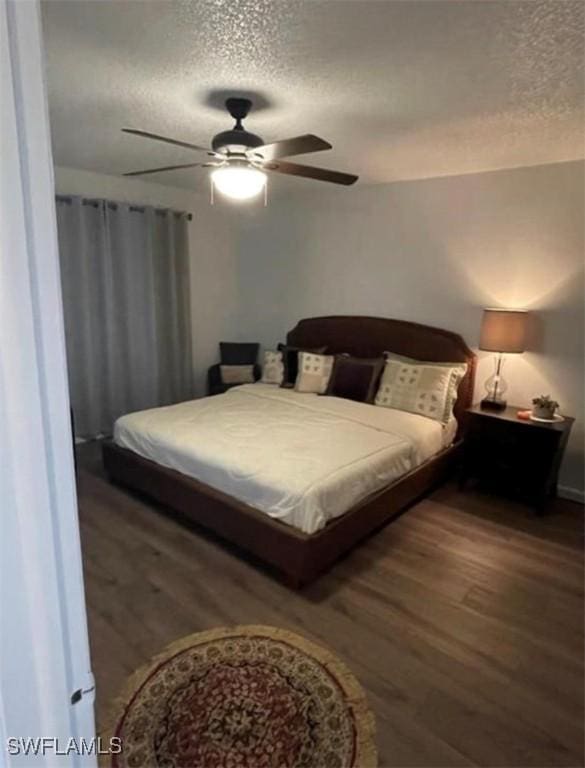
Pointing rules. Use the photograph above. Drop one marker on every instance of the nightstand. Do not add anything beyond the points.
(520, 458)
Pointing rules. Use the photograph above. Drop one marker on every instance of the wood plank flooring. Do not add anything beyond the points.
(463, 619)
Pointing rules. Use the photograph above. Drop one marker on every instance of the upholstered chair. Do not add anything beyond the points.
(232, 353)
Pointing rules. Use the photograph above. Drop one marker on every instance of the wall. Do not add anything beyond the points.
(211, 240)
(435, 251)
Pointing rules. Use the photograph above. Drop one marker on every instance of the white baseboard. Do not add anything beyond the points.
(573, 494)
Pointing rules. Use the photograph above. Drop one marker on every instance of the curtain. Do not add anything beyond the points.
(125, 281)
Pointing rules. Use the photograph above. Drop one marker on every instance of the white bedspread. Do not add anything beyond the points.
(303, 459)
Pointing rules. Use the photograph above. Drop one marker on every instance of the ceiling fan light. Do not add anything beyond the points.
(238, 182)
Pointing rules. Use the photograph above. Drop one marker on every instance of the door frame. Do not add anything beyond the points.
(46, 686)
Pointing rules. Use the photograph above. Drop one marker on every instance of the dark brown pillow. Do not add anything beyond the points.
(290, 358)
(355, 378)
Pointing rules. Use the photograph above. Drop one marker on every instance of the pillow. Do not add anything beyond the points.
(290, 358)
(237, 374)
(355, 378)
(238, 353)
(273, 368)
(458, 372)
(314, 372)
(430, 390)
(403, 359)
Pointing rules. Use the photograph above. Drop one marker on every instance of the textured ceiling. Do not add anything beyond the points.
(403, 90)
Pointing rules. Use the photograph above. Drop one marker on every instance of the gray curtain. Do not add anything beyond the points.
(125, 279)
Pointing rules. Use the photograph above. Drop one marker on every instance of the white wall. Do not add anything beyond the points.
(211, 242)
(435, 251)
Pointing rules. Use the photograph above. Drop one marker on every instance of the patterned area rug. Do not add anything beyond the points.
(246, 697)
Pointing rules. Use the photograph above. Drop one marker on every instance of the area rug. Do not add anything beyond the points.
(245, 697)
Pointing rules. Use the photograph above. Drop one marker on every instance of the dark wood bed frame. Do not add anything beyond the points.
(297, 556)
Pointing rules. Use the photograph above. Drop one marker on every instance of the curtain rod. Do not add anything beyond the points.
(96, 202)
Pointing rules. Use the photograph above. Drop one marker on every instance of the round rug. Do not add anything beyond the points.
(245, 697)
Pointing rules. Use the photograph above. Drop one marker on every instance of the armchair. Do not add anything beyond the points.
(232, 353)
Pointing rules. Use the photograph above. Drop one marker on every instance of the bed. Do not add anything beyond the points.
(297, 479)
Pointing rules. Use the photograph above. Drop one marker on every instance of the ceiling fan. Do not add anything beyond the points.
(240, 158)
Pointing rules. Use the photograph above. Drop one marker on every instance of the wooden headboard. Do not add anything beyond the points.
(372, 336)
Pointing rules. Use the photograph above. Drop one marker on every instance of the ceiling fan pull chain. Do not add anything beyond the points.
(211, 200)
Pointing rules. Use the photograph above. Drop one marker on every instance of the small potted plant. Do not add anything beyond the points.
(544, 407)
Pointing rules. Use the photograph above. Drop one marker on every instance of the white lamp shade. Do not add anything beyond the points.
(238, 182)
(503, 330)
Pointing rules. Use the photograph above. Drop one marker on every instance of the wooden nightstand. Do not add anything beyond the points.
(520, 458)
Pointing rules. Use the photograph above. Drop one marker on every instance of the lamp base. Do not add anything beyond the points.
(487, 404)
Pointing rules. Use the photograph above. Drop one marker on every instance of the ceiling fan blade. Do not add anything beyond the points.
(310, 172)
(299, 145)
(176, 142)
(165, 168)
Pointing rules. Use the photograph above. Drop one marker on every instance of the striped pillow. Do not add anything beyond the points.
(237, 374)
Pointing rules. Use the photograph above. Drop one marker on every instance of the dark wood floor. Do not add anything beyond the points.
(463, 619)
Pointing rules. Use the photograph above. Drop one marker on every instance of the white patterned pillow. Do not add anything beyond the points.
(458, 371)
(314, 372)
(430, 390)
(273, 368)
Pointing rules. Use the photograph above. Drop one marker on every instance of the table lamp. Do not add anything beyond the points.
(502, 331)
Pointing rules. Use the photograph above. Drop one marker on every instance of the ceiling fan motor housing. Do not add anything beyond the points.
(234, 139)
(237, 137)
